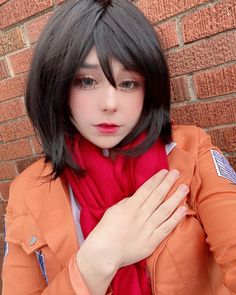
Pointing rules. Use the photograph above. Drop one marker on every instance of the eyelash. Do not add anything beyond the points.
(134, 83)
(78, 82)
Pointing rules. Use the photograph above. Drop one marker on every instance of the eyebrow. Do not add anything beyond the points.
(90, 66)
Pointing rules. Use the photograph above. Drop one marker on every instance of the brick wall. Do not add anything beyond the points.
(199, 38)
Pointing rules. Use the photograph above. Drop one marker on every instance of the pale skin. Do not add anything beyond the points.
(132, 229)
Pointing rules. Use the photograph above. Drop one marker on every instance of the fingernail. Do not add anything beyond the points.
(184, 188)
(164, 171)
(182, 210)
(175, 172)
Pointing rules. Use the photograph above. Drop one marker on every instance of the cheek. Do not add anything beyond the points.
(136, 107)
(79, 105)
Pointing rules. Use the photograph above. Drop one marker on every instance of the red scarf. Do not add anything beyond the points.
(107, 182)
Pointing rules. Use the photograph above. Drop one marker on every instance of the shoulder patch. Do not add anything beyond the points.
(223, 167)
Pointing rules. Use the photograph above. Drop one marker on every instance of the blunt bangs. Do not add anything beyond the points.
(117, 29)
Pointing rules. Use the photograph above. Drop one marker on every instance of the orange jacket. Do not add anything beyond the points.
(199, 257)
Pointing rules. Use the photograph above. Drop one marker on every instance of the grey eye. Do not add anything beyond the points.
(87, 82)
(128, 84)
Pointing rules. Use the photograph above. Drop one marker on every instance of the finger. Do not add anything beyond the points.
(160, 192)
(168, 207)
(161, 232)
(143, 193)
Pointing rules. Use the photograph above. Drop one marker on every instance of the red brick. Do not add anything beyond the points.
(15, 150)
(2, 1)
(20, 61)
(37, 147)
(216, 82)
(4, 189)
(3, 205)
(179, 89)
(224, 138)
(232, 161)
(207, 53)
(16, 129)
(60, 1)
(7, 170)
(204, 114)
(35, 27)
(208, 21)
(11, 40)
(4, 72)
(11, 109)
(12, 87)
(159, 10)
(21, 165)
(17, 10)
(167, 34)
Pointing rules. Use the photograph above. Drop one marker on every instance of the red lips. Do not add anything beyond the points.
(107, 128)
(108, 125)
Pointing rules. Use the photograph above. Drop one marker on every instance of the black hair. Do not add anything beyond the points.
(117, 29)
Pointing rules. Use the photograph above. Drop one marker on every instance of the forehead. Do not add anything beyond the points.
(92, 57)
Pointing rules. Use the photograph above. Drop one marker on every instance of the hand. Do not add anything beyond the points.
(132, 229)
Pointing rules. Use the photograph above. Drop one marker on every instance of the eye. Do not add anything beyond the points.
(85, 82)
(129, 84)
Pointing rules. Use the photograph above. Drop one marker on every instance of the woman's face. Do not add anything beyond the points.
(102, 114)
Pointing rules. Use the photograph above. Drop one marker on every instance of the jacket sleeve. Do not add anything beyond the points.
(75, 278)
(216, 205)
(21, 275)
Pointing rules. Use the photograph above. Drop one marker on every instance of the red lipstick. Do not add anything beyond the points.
(107, 128)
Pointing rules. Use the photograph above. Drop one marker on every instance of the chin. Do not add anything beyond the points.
(105, 146)
(106, 143)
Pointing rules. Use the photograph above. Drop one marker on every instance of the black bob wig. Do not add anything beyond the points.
(117, 29)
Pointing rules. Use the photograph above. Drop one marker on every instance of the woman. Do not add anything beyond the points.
(97, 213)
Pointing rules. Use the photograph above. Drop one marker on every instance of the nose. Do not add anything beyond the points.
(109, 99)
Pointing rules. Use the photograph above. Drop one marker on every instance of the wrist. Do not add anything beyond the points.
(92, 262)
